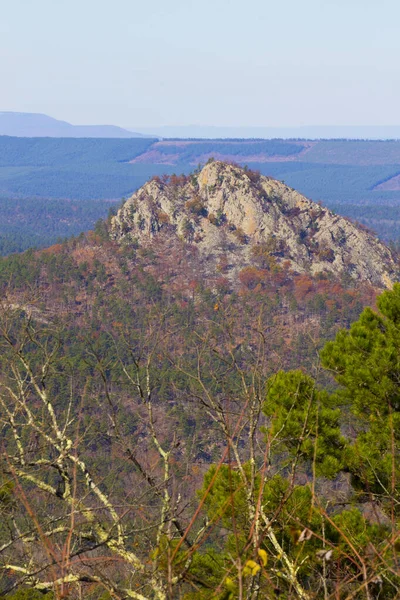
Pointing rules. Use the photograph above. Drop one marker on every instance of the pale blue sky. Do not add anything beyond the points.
(220, 62)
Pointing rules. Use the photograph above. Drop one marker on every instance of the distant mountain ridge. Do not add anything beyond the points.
(18, 124)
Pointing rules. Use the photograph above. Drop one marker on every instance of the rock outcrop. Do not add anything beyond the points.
(231, 212)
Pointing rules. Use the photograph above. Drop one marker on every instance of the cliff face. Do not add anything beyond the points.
(229, 212)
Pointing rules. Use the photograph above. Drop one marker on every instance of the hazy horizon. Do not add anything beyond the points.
(259, 65)
(20, 124)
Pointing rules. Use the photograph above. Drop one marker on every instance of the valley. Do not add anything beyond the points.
(354, 178)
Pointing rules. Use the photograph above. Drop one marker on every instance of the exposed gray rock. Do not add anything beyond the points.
(228, 211)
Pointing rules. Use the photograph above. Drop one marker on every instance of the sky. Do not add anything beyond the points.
(204, 62)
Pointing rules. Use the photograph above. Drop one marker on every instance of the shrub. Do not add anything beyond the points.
(162, 217)
(240, 235)
(326, 253)
(218, 219)
(196, 207)
(250, 277)
(187, 230)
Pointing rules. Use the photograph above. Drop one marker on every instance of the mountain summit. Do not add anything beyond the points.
(237, 215)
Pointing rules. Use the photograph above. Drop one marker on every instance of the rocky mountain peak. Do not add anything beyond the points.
(249, 219)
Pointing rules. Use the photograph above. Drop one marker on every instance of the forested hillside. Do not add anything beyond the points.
(39, 222)
(170, 431)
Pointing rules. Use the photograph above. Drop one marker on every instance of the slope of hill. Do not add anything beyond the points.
(38, 125)
(326, 152)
